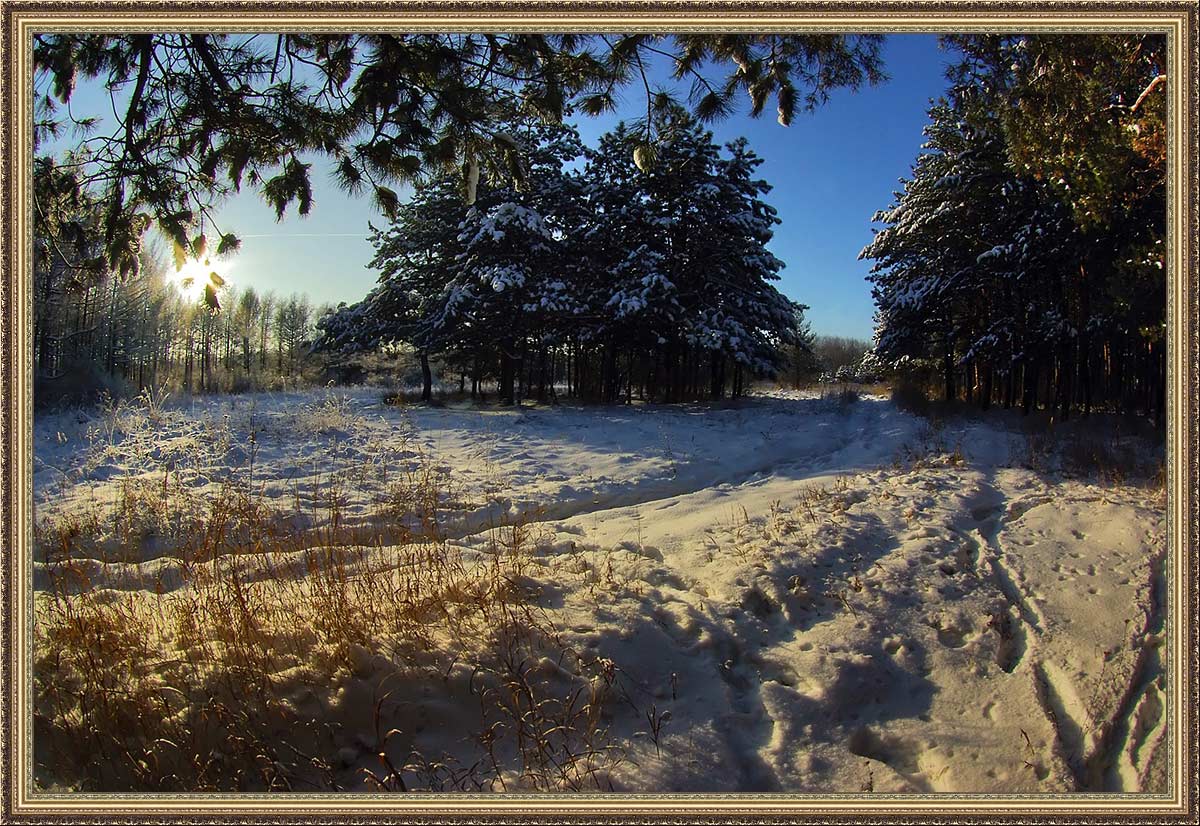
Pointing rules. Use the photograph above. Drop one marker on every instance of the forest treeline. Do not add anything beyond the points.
(602, 274)
(179, 121)
(1022, 263)
(144, 331)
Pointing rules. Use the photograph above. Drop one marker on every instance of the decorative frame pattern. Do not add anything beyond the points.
(1177, 20)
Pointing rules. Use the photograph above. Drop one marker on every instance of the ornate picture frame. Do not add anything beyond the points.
(1178, 21)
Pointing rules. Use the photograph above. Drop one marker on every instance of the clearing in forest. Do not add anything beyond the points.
(319, 590)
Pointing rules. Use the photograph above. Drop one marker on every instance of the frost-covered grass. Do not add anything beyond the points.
(272, 658)
(319, 590)
(206, 634)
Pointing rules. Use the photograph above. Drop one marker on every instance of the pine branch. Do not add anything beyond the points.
(1154, 84)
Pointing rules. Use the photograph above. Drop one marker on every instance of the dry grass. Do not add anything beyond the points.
(1108, 450)
(930, 448)
(844, 396)
(879, 388)
(232, 663)
(1110, 459)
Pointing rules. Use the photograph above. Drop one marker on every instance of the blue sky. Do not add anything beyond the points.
(831, 170)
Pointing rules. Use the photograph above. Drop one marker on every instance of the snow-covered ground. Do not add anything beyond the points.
(800, 594)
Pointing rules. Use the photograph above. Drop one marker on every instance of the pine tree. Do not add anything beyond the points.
(688, 288)
(195, 116)
(751, 320)
(627, 278)
(1019, 284)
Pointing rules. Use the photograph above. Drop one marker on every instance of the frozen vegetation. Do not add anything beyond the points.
(789, 594)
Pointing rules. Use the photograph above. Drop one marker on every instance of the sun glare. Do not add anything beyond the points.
(197, 274)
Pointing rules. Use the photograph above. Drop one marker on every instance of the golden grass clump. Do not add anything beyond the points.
(254, 654)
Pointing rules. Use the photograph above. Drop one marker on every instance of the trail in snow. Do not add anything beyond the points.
(826, 598)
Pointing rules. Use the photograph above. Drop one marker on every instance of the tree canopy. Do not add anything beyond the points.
(196, 116)
(622, 278)
(1025, 255)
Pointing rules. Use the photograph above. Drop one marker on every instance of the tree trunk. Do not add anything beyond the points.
(568, 365)
(1085, 374)
(506, 372)
(1029, 399)
(111, 356)
(541, 374)
(426, 378)
(948, 375)
(1067, 389)
(629, 377)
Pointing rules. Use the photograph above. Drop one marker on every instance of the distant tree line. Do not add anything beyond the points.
(1023, 261)
(146, 331)
(824, 358)
(188, 118)
(840, 357)
(633, 276)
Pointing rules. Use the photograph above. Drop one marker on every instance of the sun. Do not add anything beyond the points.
(194, 277)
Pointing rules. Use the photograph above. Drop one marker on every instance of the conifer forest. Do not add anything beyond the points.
(514, 413)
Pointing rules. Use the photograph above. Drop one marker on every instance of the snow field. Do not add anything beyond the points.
(794, 594)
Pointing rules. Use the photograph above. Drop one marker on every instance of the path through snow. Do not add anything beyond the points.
(806, 595)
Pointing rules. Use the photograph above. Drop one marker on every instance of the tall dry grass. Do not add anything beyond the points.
(254, 653)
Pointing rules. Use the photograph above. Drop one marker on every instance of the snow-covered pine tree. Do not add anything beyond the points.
(994, 272)
(476, 281)
(745, 319)
(416, 256)
(628, 287)
(924, 278)
(687, 290)
(512, 278)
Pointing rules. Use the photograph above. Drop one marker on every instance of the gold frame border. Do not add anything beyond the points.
(1178, 20)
